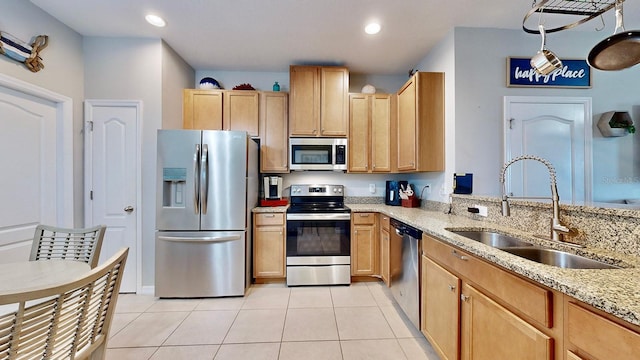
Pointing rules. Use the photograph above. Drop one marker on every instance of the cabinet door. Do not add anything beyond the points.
(384, 256)
(440, 309)
(274, 134)
(380, 133)
(241, 111)
(359, 140)
(334, 103)
(269, 252)
(364, 251)
(406, 125)
(304, 100)
(489, 331)
(202, 109)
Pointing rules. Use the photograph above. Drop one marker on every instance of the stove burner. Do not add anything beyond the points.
(317, 198)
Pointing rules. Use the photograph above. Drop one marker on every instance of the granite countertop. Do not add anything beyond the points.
(270, 209)
(615, 291)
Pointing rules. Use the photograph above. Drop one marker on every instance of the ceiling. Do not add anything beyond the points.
(268, 35)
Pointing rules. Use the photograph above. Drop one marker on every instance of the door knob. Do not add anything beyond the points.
(128, 209)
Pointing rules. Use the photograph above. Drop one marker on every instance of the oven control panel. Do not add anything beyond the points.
(317, 190)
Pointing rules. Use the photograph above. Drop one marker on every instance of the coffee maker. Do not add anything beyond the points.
(392, 192)
(272, 187)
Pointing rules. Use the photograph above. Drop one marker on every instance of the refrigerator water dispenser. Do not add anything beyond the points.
(174, 181)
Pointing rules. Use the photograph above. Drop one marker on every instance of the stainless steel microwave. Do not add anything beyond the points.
(318, 154)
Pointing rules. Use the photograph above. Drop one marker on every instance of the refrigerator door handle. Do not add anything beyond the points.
(204, 180)
(204, 239)
(196, 179)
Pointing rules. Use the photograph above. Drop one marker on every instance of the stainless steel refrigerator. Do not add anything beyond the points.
(207, 184)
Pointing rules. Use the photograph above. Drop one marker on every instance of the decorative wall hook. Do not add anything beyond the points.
(20, 51)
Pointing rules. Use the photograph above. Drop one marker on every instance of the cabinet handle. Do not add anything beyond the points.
(461, 257)
(314, 131)
(452, 288)
(464, 297)
(364, 215)
(269, 215)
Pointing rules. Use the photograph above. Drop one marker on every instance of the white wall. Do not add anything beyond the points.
(176, 76)
(131, 69)
(481, 85)
(62, 73)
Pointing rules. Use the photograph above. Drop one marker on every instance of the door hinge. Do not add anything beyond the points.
(90, 124)
(91, 195)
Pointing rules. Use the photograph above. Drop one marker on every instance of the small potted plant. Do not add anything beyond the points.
(616, 123)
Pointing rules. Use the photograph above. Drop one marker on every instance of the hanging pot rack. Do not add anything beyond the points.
(585, 9)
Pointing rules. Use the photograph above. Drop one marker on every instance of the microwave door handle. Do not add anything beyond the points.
(204, 180)
(196, 180)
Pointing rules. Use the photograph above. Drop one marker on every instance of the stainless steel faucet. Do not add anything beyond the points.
(557, 228)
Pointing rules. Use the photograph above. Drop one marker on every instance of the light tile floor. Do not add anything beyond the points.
(271, 322)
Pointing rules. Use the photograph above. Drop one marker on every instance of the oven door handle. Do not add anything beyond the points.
(319, 216)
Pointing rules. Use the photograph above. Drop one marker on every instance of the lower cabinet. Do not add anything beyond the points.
(472, 309)
(592, 336)
(490, 331)
(440, 304)
(364, 245)
(269, 246)
(385, 242)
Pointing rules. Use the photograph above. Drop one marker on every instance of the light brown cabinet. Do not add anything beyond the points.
(221, 110)
(385, 242)
(274, 133)
(364, 245)
(420, 123)
(439, 309)
(370, 132)
(490, 331)
(493, 305)
(240, 111)
(596, 336)
(318, 103)
(202, 109)
(269, 246)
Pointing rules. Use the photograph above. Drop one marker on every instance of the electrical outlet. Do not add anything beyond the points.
(372, 188)
(443, 190)
(483, 210)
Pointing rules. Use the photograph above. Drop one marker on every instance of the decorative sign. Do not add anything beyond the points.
(573, 74)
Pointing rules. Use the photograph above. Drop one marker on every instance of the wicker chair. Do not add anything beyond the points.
(67, 321)
(70, 244)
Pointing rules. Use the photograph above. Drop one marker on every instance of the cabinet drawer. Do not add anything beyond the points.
(599, 337)
(363, 218)
(269, 219)
(524, 297)
(384, 222)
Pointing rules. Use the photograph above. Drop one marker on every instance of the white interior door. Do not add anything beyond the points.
(28, 168)
(112, 179)
(557, 129)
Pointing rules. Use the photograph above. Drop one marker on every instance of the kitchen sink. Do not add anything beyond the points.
(492, 238)
(557, 258)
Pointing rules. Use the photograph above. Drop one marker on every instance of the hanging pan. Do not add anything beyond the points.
(620, 50)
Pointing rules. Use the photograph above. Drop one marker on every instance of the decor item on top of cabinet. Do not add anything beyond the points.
(20, 51)
(209, 83)
(575, 73)
(368, 89)
(243, 87)
(616, 123)
(276, 86)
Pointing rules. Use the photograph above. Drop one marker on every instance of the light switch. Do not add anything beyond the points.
(372, 188)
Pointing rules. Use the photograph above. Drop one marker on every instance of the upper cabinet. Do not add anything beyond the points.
(240, 111)
(221, 110)
(274, 133)
(202, 109)
(371, 132)
(318, 104)
(420, 123)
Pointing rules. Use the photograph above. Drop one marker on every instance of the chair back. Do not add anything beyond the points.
(67, 321)
(51, 242)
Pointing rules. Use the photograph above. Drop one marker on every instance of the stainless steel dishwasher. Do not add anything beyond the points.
(405, 280)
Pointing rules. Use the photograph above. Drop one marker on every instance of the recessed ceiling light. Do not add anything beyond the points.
(155, 20)
(372, 28)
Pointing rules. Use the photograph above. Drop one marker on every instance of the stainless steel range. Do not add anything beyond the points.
(318, 236)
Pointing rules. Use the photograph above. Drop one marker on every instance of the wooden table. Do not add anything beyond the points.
(29, 275)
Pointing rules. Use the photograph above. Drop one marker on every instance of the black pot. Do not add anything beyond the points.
(618, 51)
